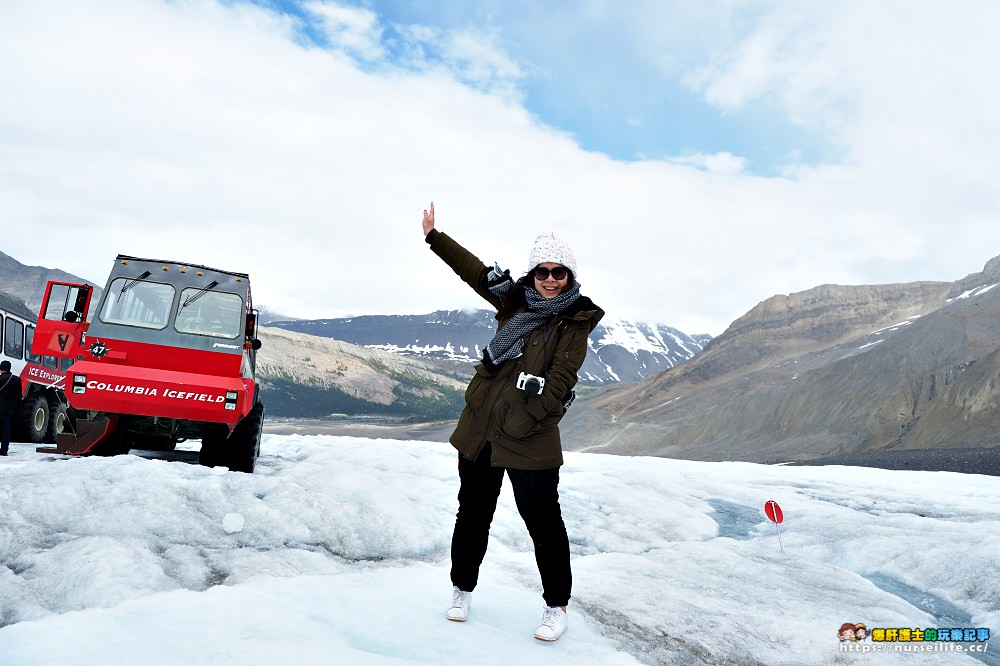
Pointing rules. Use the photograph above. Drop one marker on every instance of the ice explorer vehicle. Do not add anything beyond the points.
(42, 415)
(168, 355)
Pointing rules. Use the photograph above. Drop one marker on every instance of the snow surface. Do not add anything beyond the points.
(337, 552)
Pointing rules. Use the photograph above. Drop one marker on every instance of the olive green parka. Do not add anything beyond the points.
(523, 429)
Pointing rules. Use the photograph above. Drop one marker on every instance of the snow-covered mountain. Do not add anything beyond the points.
(620, 351)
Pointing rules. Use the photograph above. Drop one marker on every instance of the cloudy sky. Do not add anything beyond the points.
(699, 157)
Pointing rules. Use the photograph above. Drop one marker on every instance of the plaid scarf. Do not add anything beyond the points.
(507, 342)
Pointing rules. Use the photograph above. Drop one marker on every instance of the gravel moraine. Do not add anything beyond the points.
(967, 461)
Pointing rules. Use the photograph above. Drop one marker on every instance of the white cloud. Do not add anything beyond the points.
(207, 132)
(724, 163)
(474, 57)
(352, 29)
(478, 59)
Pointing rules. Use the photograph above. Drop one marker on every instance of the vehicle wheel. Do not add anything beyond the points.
(117, 443)
(213, 445)
(58, 419)
(243, 446)
(33, 419)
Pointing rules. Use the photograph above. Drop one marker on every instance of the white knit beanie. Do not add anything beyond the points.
(549, 248)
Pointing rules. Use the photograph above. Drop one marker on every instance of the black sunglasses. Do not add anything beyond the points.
(558, 273)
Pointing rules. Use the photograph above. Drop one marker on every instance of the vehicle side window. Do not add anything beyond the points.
(66, 303)
(29, 338)
(217, 314)
(132, 302)
(13, 339)
(66, 363)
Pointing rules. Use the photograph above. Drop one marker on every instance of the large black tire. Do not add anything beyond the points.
(32, 421)
(118, 443)
(58, 419)
(243, 446)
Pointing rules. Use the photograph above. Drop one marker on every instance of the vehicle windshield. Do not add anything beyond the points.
(134, 302)
(217, 314)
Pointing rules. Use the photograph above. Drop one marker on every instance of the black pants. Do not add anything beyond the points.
(536, 494)
(5, 422)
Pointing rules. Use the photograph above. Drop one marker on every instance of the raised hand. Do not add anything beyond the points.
(429, 220)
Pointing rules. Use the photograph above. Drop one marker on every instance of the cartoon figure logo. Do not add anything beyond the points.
(846, 632)
(860, 632)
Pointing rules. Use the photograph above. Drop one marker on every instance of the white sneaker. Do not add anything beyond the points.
(553, 624)
(460, 602)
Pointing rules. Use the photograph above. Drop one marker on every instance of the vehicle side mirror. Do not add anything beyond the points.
(252, 341)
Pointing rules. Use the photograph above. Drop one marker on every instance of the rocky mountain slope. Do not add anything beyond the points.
(16, 306)
(28, 282)
(308, 376)
(832, 370)
(620, 351)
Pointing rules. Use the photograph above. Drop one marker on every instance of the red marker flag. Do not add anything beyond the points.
(774, 514)
(773, 511)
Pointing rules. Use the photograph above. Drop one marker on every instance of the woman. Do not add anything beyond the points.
(514, 403)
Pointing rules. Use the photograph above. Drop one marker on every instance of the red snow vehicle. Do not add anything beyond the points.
(42, 415)
(168, 355)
